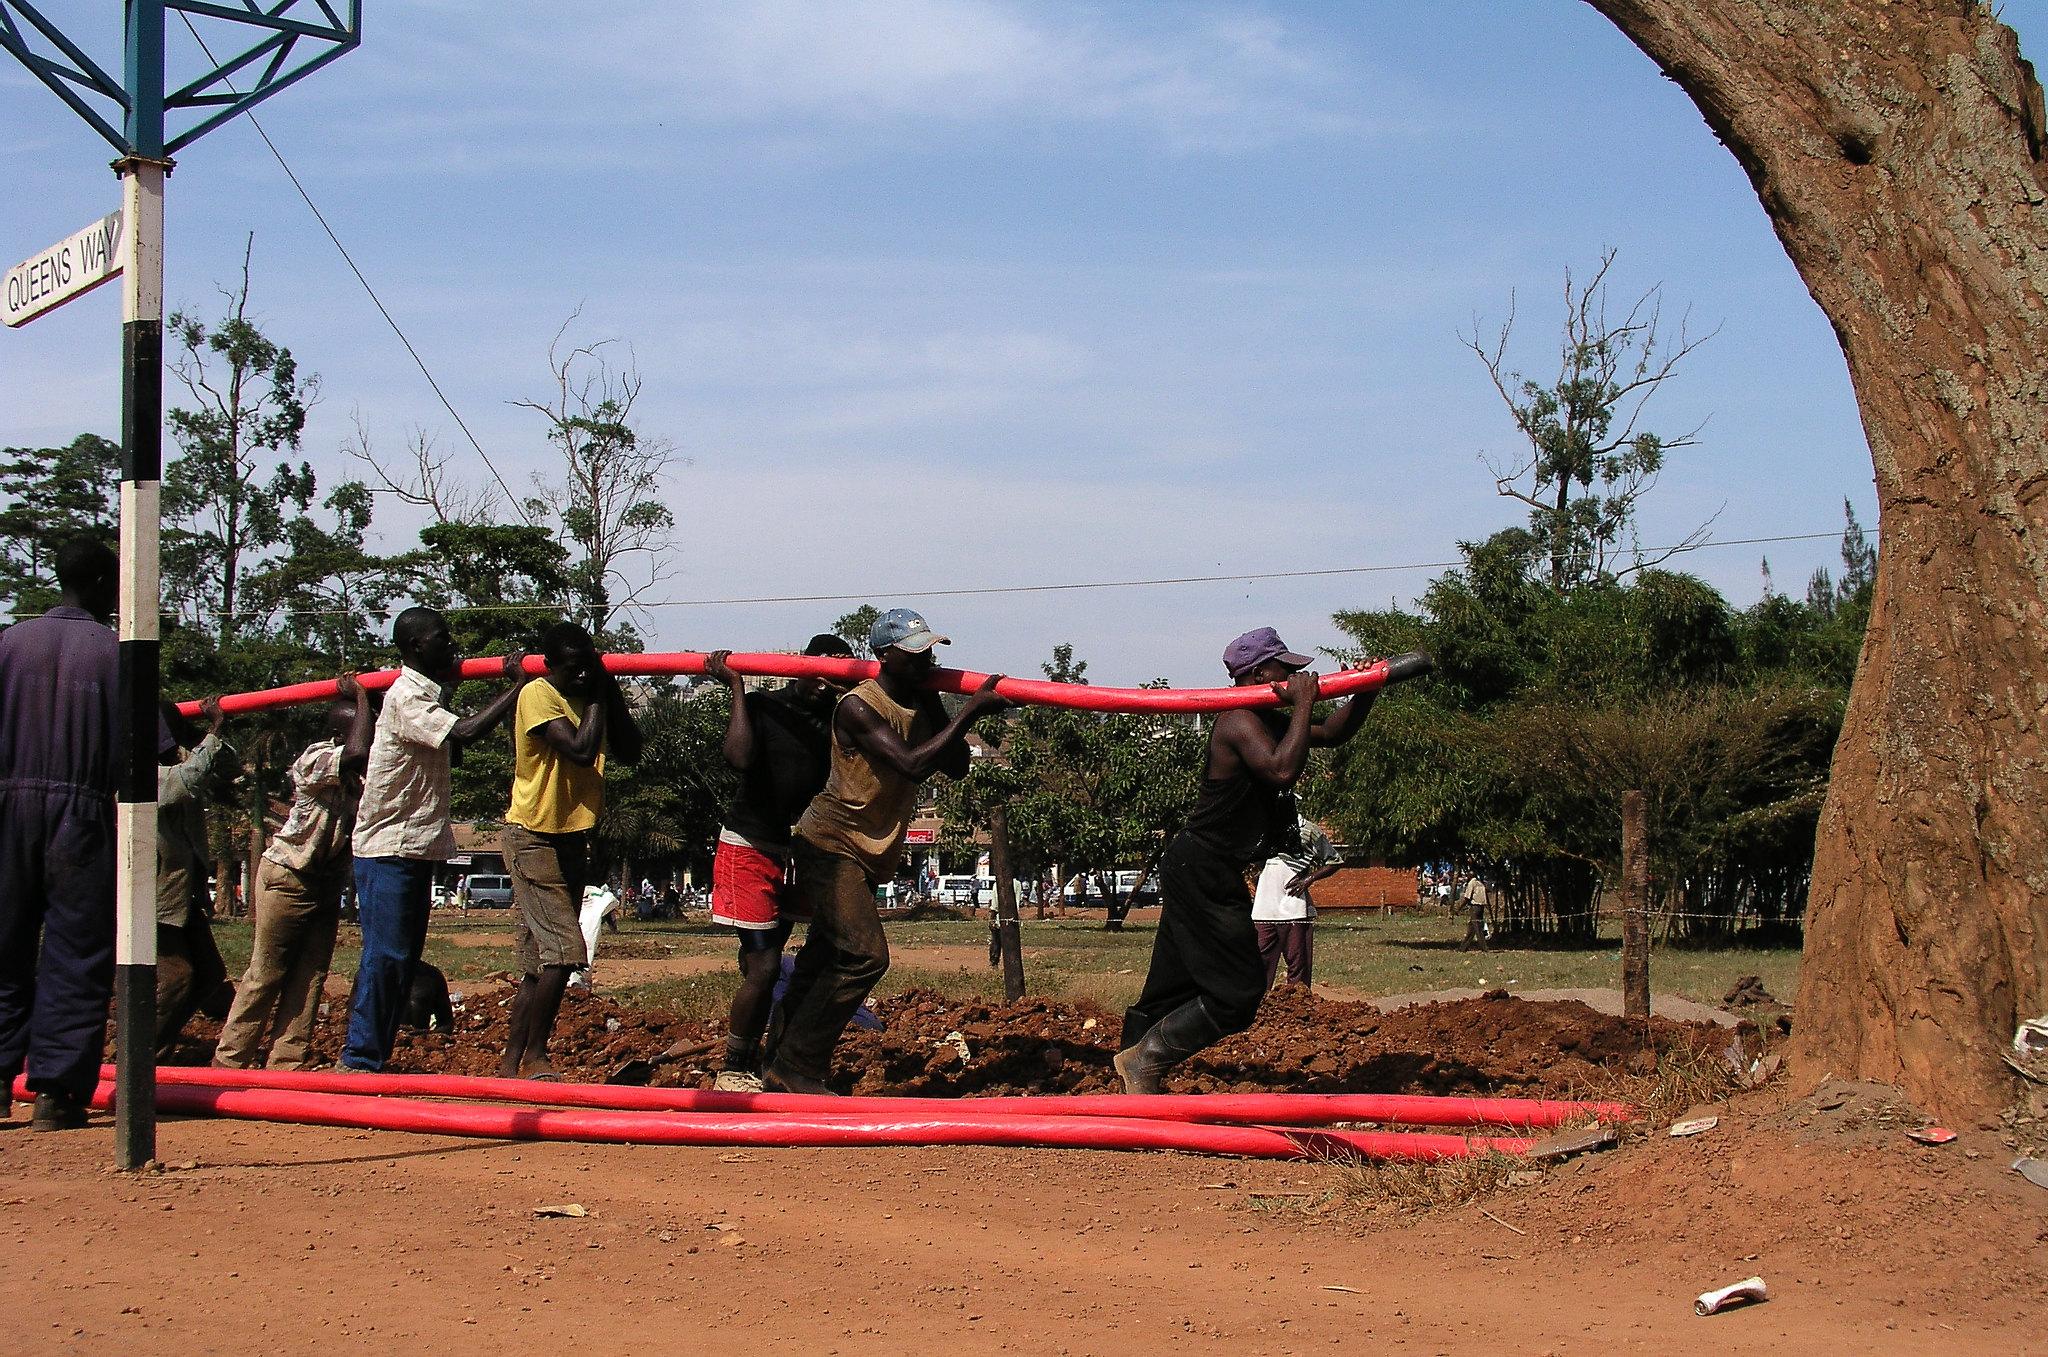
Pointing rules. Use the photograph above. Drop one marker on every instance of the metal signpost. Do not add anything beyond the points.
(288, 41)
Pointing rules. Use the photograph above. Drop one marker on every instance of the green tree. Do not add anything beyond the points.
(1589, 459)
(328, 594)
(224, 501)
(668, 806)
(51, 495)
(1086, 791)
(1546, 705)
(610, 502)
(855, 627)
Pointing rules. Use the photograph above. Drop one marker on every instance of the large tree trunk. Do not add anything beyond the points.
(1897, 149)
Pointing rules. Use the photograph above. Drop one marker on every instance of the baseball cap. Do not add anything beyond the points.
(904, 630)
(1254, 648)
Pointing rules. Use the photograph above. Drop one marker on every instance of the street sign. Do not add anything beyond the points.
(70, 268)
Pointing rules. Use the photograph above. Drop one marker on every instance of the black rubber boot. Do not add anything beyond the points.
(1169, 1041)
(57, 1112)
(778, 1080)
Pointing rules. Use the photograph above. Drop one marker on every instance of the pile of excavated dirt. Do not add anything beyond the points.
(1300, 1043)
(593, 1036)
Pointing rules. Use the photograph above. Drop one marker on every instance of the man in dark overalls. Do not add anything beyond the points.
(59, 703)
(1206, 978)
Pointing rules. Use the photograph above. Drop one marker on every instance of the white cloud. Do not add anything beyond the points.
(1193, 79)
(1207, 81)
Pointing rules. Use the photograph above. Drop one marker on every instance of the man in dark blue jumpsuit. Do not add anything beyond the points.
(58, 722)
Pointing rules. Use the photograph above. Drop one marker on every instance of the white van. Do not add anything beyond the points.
(968, 890)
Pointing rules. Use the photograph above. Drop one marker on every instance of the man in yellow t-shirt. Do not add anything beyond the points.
(559, 734)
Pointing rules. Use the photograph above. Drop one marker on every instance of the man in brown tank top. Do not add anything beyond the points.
(888, 735)
(1206, 978)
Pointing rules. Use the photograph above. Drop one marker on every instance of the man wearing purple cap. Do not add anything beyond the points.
(1206, 977)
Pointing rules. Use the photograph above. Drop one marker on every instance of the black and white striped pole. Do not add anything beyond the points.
(142, 401)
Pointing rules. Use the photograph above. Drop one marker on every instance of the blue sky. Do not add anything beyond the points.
(954, 293)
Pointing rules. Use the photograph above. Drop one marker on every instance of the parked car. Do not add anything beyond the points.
(490, 892)
(1087, 892)
(968, 890)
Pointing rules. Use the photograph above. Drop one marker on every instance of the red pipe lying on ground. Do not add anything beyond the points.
(502, 1122)
(1279, 1109)
(1079, 696)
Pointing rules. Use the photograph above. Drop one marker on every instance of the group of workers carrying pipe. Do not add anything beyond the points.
(828, 778)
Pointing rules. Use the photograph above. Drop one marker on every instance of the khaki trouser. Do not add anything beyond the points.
(189, 975)
(278, 999)
(845, 953)
(549, 872)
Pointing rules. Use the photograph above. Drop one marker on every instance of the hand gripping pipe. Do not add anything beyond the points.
(499, 1121)
(1276, 1109)
(1077, 696)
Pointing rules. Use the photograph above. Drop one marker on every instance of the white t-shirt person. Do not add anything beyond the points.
(404, 811)
(1272, 903)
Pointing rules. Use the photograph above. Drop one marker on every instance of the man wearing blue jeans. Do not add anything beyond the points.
(402, 823)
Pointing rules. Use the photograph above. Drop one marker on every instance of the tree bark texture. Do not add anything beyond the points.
(1635, 906)
(1897, 148)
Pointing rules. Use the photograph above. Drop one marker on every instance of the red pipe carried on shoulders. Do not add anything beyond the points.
(1076, 696)
(506, 1122)
(1278, 1109)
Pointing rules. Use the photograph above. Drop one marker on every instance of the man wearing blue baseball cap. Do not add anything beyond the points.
(888, 735)
(1206, 977)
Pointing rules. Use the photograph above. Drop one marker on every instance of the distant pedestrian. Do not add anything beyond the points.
(1283, 912)
(59, 718)
(403, 829)
(298, 896)
(1474, 899)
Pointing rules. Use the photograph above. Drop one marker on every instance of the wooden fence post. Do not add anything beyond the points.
(1008, 933)
(1635, 907)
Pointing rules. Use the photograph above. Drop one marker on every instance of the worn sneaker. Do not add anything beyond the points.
(737, 1081)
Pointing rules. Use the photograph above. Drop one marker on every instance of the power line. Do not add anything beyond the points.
(375, 300)
(1063, 587)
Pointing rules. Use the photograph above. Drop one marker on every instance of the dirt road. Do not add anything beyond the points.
(283, 1237)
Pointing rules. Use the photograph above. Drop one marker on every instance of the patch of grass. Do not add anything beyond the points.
(1682, 1078)
(694, 998)
(1417, 953)
(1077, 959)
(457, 961)
(1408, 1187)
(986, 985)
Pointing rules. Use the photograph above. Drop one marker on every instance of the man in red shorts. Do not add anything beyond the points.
(780, 744)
